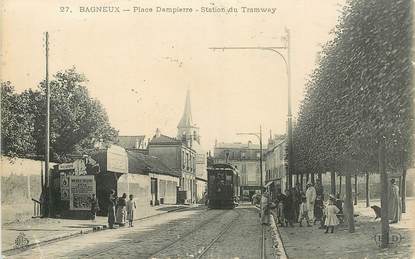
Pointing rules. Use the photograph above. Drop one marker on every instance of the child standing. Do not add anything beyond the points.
(130, 210)
(303, 212)
(331, 217)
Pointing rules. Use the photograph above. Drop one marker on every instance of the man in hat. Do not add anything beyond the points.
(310, 195)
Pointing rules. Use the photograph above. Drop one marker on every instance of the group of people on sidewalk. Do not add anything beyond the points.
(297, 205)
(120, 210)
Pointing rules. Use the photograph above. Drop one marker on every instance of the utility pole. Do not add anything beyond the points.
(289, 115)
(47, 173)
(260, 157)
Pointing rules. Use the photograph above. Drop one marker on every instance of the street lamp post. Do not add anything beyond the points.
(259, 136)
(288, 70)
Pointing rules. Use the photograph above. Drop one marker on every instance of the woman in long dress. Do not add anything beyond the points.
(111, 209)
(395, 205)
(265, 209)
(121, 210)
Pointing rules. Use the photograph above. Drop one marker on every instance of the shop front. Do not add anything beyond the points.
(113, 163)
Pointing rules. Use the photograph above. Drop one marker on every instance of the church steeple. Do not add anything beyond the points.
(187, 131)
(186, 120)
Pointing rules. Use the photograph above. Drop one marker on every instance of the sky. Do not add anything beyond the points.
(140, 65)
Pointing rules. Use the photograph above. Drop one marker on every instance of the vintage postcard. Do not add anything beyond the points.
(207, 129)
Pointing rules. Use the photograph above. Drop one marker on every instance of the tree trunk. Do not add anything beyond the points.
(403, 190)
(302, 178)
(340, 185)
(367, 191)
(319, 176)
(307, 178)
(349, 204)
(296, 179)
(312, 178)
(384, 195)
(333, 183)
(28, 187)
(355, 189)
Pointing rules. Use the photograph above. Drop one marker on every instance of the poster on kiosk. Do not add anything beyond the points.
(81, 190)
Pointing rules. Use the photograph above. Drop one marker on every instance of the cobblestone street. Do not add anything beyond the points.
(184, 234)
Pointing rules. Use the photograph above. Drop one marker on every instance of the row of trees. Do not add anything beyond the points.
(358, 104)
(77, 120)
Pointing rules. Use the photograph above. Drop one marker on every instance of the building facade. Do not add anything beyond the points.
(246, 158)
(188, 133)
(176, 155)
(275, 165)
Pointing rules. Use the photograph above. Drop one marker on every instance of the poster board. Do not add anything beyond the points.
(81, 189)
(64, 187)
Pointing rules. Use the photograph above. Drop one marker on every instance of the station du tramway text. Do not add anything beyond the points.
(176, 10)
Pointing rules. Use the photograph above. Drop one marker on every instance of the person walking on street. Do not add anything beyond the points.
(112, 201)
(297, 201)
(265, 209)
(289, 207)
(280, 207)
(94, 206)
(130, 210)
(121, 210)
(303, 213)
(310, 195)
(331, 217)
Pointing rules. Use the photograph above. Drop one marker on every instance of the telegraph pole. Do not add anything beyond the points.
(47, 173)
(260, 157)
(289, 115)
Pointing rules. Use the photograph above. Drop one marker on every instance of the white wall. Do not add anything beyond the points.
(21, 166)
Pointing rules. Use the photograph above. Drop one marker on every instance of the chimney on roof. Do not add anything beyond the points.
(158, 133)
(249, 143)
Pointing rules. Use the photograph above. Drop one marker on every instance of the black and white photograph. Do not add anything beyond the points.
(207, 129)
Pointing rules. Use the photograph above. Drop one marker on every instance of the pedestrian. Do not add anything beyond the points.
(265, 209)
(280, 207)
(303, 212)
(130, 210)
(331, 216)
(112, 201)
(94, 206)
(395, 205)
(289, 207)
(310, 195)
(121, 210)
(297, 201)
(318, 209)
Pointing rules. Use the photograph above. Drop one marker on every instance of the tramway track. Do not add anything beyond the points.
(171, 244)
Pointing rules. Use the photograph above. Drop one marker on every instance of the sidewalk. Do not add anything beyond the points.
(312, 242)
(42, 230)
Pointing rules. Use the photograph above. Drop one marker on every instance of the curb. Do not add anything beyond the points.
(13, 251)
(276, 237)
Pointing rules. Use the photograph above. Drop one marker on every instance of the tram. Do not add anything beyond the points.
(223, 186)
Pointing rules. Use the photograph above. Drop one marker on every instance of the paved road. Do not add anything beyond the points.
(184, 234)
